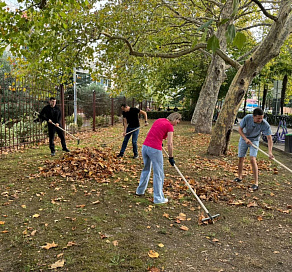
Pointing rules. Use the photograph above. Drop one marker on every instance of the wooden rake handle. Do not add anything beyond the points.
(284, 166)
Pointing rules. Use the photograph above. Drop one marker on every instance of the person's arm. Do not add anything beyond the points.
(243, 136)
(59, 117)
(170, 148)
(144, 113)
(42, 115)
(270, 146)
(125, 124)
(170, 144)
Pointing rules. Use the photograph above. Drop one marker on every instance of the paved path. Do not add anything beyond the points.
(278, 146)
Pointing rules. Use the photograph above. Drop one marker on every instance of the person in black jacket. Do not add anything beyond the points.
(52, 114)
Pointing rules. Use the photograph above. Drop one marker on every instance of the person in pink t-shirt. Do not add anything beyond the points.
(152, 155)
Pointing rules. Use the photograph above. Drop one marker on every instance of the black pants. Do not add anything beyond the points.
(52, 130)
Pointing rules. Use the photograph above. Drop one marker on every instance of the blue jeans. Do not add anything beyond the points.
(242, 148)
(152, 158)
(134, 141)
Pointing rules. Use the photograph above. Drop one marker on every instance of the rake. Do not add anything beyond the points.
(116, 138)
(210, 217)
(284, 166)
(78, 140)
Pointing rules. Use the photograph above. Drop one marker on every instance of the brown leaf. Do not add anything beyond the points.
(184, 228)
(49, 245)
(252, 204)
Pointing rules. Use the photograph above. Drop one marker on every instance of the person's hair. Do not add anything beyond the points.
(52, 98)
(174, 116)
(258, 111)
(124, 105)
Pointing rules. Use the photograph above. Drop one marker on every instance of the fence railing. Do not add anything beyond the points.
(20, 102)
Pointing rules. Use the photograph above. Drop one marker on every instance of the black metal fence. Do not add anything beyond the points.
(20, 101)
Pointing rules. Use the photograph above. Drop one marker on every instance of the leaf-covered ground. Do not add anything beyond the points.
(79, 212)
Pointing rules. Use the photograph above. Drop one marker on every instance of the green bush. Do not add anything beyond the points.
(70, 119)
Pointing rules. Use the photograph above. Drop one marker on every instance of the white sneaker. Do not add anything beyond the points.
(163, 202)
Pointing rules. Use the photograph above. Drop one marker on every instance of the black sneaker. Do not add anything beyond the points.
(120, 155)
(52, 153)
(136, 157)
(66, 149)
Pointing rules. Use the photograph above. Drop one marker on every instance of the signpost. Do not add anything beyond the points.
(277, 96)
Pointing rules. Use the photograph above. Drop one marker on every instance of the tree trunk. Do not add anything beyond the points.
(268, 49)
(283, 93)
(203, 114)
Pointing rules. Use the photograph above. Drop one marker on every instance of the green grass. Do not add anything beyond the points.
(117, 232)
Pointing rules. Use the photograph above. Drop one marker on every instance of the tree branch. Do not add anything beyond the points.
(249, 27)
(177, 54)
(228, 60)
(154, 55)
(274, 18)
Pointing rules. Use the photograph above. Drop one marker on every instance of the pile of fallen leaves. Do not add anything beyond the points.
(211, 188)
(83, 164)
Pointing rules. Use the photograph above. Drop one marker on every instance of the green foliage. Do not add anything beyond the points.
(239, 40)
(104, 120)
(213, 44)
(70, 120)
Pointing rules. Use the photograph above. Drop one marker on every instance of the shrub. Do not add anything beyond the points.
(70, 120)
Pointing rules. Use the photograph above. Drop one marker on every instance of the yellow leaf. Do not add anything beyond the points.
(2, 222)
(23, 206)
(57, 264)
(153, 254)
(36, 215)
(161, 245)
(115, 243)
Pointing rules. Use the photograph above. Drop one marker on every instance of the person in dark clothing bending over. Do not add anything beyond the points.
(131, 122)
(52, 114)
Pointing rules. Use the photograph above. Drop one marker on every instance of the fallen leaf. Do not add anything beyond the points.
(252, 204)
(115, 243)
(2, 222)
(184, 228)
(60, 255)
(49, 245)
(71, 244)
(166, 215)
(58, 264)
(182, 217)
(161, 245)
(36, 215)
(153, 254)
